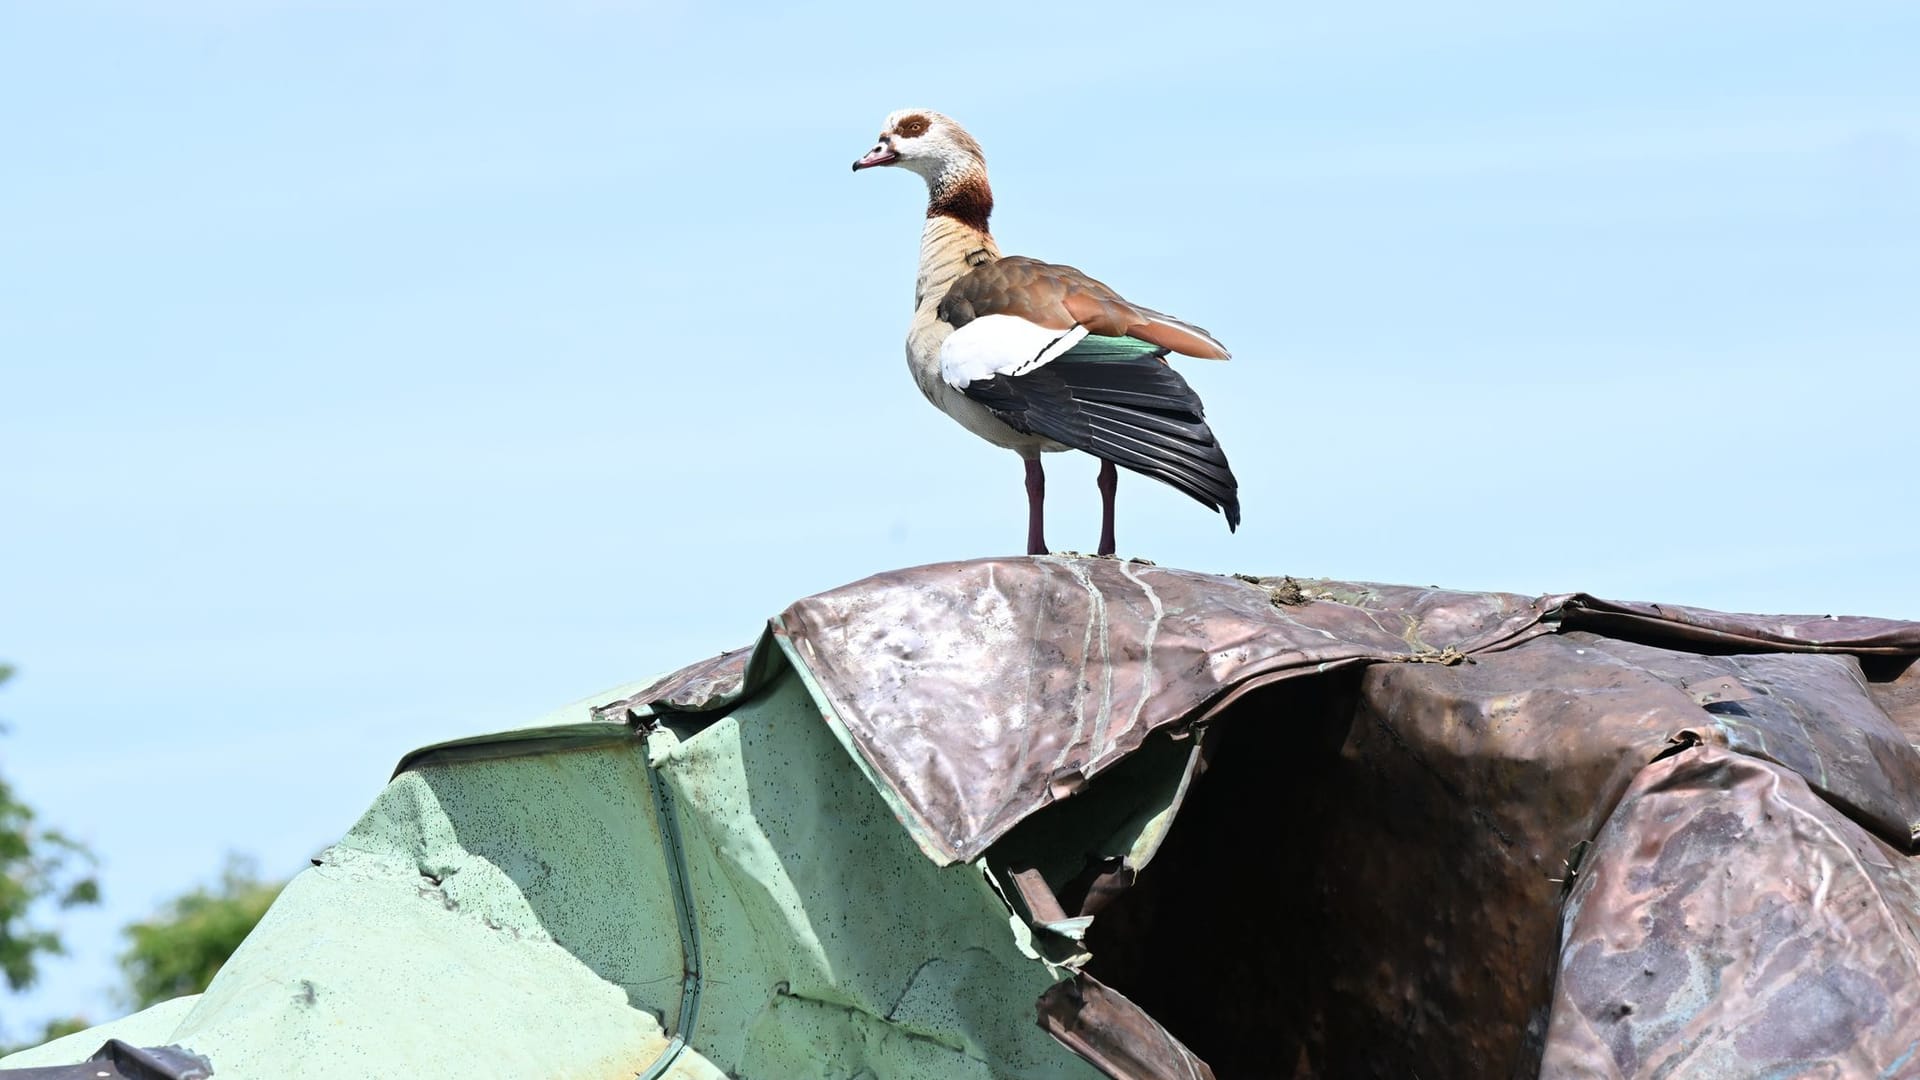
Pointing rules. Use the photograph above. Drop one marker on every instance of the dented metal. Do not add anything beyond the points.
(1737, 925)
(1043, 672)
(1449, 760)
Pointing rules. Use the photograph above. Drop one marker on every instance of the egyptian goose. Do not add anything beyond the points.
(1038, 357)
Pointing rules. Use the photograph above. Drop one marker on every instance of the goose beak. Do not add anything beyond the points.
(879, 155)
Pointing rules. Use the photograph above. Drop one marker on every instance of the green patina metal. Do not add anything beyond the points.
(727, 895)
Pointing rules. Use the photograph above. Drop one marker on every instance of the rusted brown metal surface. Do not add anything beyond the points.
(1400, 789)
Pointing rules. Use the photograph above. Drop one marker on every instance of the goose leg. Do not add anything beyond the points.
(1109, 482)
(1036, 514)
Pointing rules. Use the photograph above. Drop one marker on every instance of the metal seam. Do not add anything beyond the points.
(690, 967)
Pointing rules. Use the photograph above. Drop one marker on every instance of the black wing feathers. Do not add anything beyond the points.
(1137, 413)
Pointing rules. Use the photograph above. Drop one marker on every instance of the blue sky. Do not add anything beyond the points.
(372, 374)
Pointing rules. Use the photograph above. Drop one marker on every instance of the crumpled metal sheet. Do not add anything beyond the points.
(1813, 714)
(1066, 664)
(1070, 662)
(1898, 692)
(1395, 909)
(1421, 822)
(1117, 1036)
(703, 686)
(1735, 925)
(1414, 840)
(1857, 634)
(829, 947)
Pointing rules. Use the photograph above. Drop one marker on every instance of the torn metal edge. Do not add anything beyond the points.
(928, 839)
(1113, 1034)
(522, 742)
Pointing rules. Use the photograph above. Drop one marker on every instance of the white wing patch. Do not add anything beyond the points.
(1001, 345)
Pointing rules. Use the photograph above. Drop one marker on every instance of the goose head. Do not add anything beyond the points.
(927, 143)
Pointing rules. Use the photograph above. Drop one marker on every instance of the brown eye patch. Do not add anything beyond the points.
(911, 127)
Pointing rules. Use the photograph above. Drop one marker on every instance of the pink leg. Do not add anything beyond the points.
(1109, 483)
(1036, 514)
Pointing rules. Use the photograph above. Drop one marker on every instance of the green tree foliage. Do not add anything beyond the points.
(178, 950)
(36, 864)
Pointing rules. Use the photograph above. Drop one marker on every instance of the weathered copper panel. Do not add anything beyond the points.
(1896, 687)
(1396, 910)
(1462, 794)
(1732, 631)
(700, 686)
(1116, 1035)
(983, 690)
(1732, 925)
(1812, 713)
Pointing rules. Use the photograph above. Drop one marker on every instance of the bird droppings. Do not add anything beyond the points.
(1287, 592)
